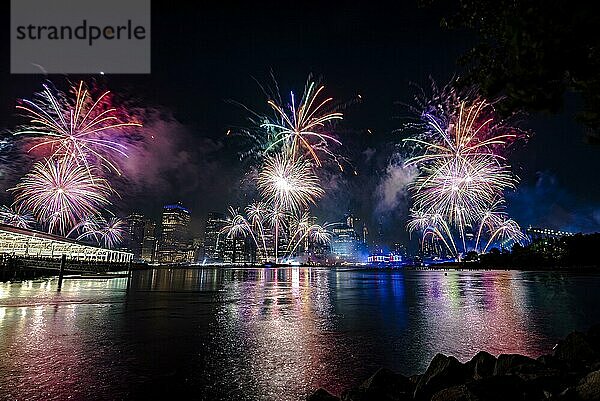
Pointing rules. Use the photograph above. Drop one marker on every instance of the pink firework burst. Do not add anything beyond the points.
(76, 125)
(60, 193)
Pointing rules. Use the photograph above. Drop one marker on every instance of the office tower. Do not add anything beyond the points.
(149, 241)
(213, 238)
(173, 241)
(135, 235)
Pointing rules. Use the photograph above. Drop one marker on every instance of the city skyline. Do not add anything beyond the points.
(194, 152)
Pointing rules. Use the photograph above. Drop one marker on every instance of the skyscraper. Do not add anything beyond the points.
(344, 242)
(348, 239)
(214, 246)
(135, 235)
(172, 245)
(149, 242)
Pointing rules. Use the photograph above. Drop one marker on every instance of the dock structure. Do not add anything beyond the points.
(25, 243)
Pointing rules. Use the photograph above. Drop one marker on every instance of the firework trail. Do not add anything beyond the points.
(76, 126)
(111, 232)
(60, 193)
(305, 229)
(463, 174)
(301, 126)
(86, 229)
(108, 233)
(257, 212)
(261, 220)
(16, 217)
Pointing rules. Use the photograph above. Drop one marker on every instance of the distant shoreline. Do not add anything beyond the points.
(382, 268)
(44, 275)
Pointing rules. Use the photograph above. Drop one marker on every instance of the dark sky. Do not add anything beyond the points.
(203, 56)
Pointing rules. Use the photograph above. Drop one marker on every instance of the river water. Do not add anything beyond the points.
(270, 334)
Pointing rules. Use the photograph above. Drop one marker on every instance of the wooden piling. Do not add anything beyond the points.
(63, 261)
(129, 274)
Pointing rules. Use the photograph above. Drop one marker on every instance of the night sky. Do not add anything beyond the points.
(204, 57)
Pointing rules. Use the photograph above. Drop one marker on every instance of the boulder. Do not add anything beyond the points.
(496, 388)
(547, 381)
(588, 388)
(384, 385)
(574, 349)
(322, 395)
(515, 363)
(481, 365)
(388, 385)
(354, 394)
(492, 388)
(550, 361)
(414, 379)
(443, 372)
(455, 393)
(593, 338)
(358, 394)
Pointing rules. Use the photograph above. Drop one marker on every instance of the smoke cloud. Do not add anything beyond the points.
(547, 204)
(392, 191)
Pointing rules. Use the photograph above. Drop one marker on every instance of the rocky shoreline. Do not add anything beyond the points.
(570, 373)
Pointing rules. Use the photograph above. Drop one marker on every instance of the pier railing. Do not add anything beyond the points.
(21, 267)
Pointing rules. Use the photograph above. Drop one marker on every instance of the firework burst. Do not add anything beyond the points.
(108, 233)
(301, 126)
(60, 193)
(463, 174)
(76, 126)
(289, 184)
(111, 232)
(16, 217)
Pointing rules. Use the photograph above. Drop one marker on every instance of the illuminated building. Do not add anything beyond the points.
(546, 233)
(172, 244)
(344, 241)
(134, 236)
(213, 238)
(236, 250)
(381, 259)
(434, 249)
(149, 241)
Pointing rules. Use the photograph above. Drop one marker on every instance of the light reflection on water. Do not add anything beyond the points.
(269, 334)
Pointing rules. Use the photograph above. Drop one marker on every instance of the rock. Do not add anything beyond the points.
(443, 372)
(358, 394)
(414, 379)
(455, 393)
(515, 363)
(547, 381)
(568, 394)
(322, 395)
(550, 361)
(574, 349)
(496, 388)
(384, 385)
(353, 394)
(481, 365)
(388, 383)
(588, 388)
(593, 337)
(492, 388)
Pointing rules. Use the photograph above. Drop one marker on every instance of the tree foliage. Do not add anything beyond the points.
(532, 52)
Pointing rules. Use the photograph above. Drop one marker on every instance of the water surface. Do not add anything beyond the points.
(274, 334)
